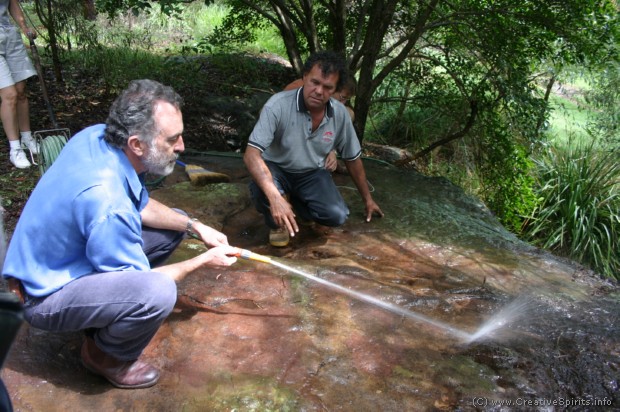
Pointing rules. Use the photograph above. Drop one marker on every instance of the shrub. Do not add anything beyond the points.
(578, 210)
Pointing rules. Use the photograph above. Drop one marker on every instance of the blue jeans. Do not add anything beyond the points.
(313, 195)
(123, 309)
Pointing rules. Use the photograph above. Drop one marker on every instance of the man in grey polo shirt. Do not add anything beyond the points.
(287, 149)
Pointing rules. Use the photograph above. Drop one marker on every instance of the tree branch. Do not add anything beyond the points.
(473, 105)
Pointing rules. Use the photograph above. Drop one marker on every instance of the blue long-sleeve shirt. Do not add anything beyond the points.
(82, 217)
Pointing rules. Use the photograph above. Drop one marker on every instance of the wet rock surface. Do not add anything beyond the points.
(257, 337)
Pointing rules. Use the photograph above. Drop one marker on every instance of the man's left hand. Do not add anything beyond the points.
(373, 209)
(331, 161)
(210, 236)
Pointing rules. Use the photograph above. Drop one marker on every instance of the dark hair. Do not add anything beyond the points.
(329, 62)
(132, 111)
(350, 85)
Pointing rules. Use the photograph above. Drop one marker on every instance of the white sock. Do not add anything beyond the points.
(26, 135)
(14, 144)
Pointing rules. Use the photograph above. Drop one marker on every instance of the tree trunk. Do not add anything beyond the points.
(89, 10)
(44, 12)
(541, 119)
(380, 18)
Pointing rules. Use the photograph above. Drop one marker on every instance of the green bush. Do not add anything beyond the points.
(505, 180)
(578, 206)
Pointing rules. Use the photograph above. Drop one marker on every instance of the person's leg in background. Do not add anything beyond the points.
(15, 68)
(23, 119)
(10, 123)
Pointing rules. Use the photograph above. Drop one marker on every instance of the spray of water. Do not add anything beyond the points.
(500, 320)
(459, 334)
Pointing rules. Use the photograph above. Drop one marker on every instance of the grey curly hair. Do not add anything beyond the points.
(132, 111)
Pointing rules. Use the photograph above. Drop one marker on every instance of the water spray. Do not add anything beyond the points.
(466, 337)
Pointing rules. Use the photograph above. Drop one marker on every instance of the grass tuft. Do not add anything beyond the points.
(578, 212)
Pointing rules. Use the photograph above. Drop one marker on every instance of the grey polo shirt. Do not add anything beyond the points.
(4, 13)
(284, 134)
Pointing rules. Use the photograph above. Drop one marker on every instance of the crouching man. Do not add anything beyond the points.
(288, 149)
(90, 246)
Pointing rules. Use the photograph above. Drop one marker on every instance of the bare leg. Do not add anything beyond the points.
(10, 122)
(8, 112)
(23, 109)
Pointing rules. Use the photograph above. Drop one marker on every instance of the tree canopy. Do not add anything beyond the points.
(487, 50)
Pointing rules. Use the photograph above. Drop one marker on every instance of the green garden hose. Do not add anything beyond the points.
(49, 149)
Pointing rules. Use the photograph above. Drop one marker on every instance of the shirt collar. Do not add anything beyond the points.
(301, 105)
(134, 181)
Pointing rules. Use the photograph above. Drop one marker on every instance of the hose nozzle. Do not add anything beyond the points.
(246, 254)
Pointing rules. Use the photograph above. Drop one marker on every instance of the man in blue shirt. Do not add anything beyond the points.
(89, 236)
(289, 145)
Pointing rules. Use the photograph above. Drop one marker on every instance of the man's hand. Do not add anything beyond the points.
(30, 34)
(210, 236)
(372, 209)
(281, 211)
(221, 256)
(216, 256)
(283, 214)
(331, 161)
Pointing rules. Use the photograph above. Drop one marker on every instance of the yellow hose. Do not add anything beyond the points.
(246, 254)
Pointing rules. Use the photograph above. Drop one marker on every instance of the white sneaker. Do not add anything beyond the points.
(31, 144)
(18, 158)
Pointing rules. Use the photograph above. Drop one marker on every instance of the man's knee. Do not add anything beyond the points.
(162, 291)
(335, 216)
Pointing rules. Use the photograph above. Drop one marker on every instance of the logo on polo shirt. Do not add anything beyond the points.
(328, 137)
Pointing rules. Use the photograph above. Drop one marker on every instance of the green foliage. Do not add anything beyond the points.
(416, 106)
(241, 69)
(578, 210)
(568, 118)
(506, 185)
(239, 26)
(605, 97)
(115, 7)
(114, 67)
(491, 162)
(242, 29)
(64, 25)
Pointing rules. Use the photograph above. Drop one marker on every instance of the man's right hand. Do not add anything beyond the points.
(283, 214)
(281, 211)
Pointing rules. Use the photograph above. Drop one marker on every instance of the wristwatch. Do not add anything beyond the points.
(189, 228)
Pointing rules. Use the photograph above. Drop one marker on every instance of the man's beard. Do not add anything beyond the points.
(159, 162)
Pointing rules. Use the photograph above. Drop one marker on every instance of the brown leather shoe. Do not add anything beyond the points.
(126, 375)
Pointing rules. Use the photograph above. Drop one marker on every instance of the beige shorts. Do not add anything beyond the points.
(15, 65)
